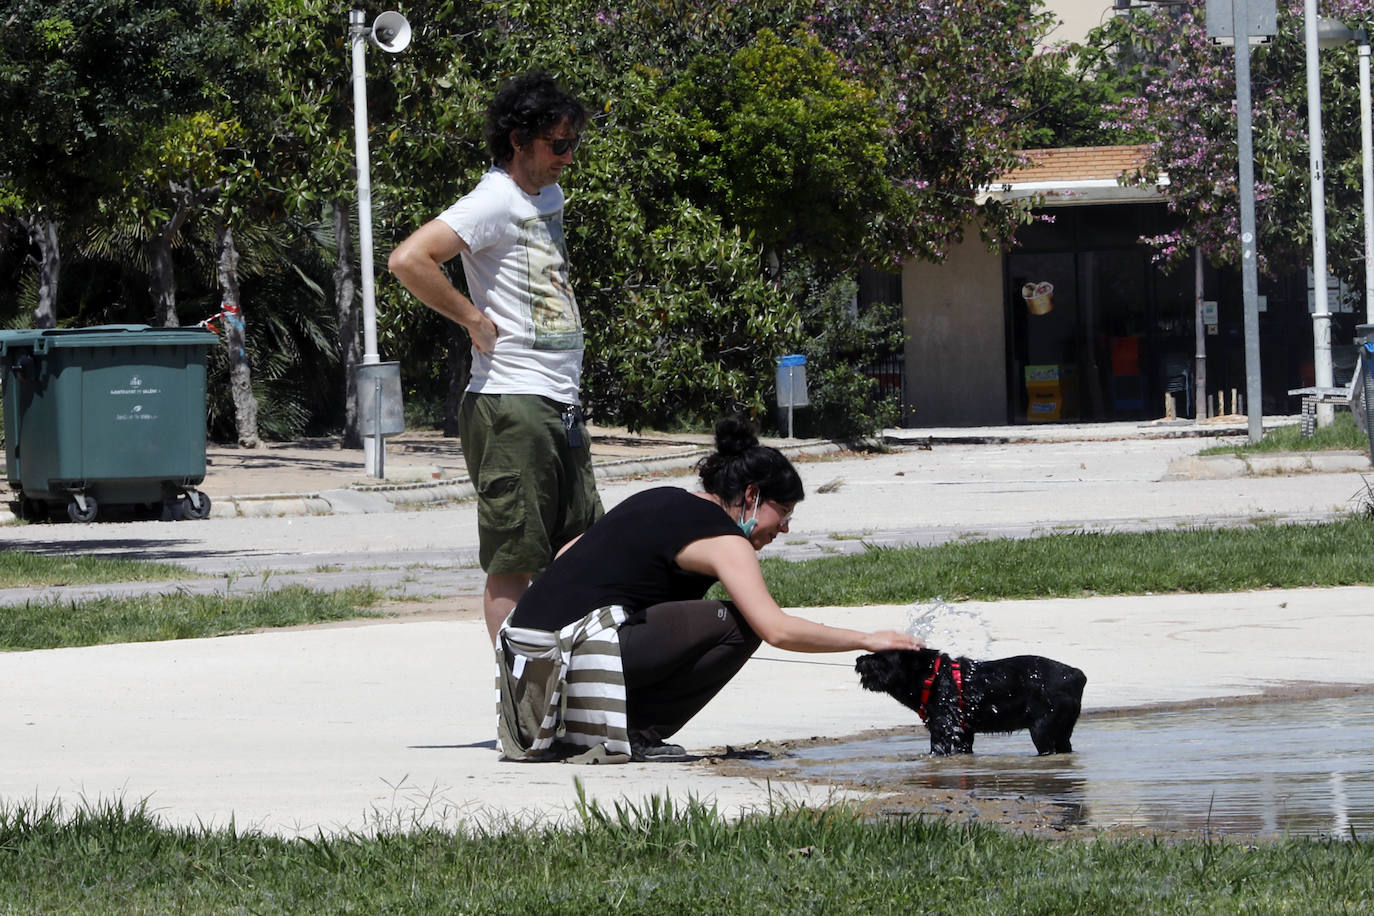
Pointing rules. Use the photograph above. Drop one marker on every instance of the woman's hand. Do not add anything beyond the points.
(891, 639)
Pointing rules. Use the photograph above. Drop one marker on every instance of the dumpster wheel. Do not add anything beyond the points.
(82, 508)
(196, 505)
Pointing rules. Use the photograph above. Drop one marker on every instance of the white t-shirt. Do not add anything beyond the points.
(517, 271)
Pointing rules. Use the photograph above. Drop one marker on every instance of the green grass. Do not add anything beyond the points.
(54, 624)
(657, 857)
(661, 857)
(21, 568)
(1055, 565)
(1341, 434)
(1082, 564)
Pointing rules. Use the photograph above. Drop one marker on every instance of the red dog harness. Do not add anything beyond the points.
(930, 683)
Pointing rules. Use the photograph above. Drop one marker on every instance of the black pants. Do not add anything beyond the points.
(676, 657)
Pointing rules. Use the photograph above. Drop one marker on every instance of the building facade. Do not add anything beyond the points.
(1076, 322)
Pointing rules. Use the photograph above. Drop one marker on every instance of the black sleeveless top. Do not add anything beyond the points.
(626, 558)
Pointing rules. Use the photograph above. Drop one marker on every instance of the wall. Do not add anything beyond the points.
(1076, 17)
(955, 339)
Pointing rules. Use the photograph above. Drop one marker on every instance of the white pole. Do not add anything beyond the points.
(357, 34)
(1249, 258)
(1367, 150)
(1321, 317)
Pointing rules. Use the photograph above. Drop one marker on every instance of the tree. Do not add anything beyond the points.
(236, 339)
(180, 167)
(1061, 93)
(1187, 101)
(779, 142)
(827, 134)
(80, 83)
(941, 70)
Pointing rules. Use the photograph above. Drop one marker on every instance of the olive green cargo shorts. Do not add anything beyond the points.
(535, 491)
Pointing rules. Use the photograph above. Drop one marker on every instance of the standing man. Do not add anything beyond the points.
(524, 440)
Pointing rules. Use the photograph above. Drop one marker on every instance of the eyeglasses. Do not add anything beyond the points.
(564, 145)
(786, 517)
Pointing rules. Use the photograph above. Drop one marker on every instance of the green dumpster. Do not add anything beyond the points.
(105, 416)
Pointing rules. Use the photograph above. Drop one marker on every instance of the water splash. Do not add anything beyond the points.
(955, 629)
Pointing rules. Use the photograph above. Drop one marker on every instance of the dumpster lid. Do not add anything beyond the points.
(44, 339)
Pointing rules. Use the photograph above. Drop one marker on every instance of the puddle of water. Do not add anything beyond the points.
(1271, 769)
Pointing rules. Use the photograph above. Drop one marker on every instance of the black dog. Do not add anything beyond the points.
(958, 697)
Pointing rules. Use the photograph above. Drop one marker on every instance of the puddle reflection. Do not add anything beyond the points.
(1304, 768)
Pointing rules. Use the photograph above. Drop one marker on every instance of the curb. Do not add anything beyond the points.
(388, 497)
(1220, 467)
(365, 499)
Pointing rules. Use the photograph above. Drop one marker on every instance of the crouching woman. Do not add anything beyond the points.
(614, 648)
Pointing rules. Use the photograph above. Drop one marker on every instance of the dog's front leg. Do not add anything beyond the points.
(947, 741)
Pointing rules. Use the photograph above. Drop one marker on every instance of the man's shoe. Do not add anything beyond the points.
(654, 750)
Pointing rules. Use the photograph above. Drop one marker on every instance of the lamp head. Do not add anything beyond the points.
(390, 32)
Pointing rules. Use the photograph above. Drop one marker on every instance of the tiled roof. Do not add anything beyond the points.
(1077, 163)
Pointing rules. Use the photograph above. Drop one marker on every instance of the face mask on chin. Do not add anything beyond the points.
(747, 525)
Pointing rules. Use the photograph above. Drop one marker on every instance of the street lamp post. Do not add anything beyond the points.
(1339, 33)
(391, 33)
(1321, 314)
(1241, 20)
(1320, 34)
(1367, 161)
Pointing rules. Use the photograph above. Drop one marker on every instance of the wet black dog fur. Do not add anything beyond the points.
(1001, 695)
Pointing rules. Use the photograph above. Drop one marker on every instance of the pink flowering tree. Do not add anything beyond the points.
(1187, 102)
(945, 74)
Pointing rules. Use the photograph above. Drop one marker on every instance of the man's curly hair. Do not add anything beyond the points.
(528, 106)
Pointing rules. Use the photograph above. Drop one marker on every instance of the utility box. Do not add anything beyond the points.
(109, 415)
(380, 409)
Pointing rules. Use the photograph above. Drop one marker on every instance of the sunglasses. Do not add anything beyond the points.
(564, 145)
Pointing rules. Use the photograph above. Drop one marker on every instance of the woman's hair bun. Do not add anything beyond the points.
(735, 435)
(740, 461)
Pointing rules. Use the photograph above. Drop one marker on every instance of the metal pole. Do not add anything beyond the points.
(377, 428)
(357, 35)
(1249, 270)
(1321, 317)
(1199, 343)
(1367, 151)
(791, 397)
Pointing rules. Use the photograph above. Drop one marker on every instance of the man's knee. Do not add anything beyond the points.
(509, 586)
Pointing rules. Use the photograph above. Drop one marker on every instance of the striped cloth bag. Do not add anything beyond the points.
(562, 694)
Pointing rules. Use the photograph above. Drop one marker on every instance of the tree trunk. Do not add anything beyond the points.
(162, 281)
(346, 301)
(235, 339)
(162, 278)
(43, 231)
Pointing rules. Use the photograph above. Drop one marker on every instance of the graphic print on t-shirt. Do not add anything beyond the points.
(554, 322)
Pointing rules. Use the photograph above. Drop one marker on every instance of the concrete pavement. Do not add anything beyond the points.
(423, 468)
(391, 723)
(388, 725)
